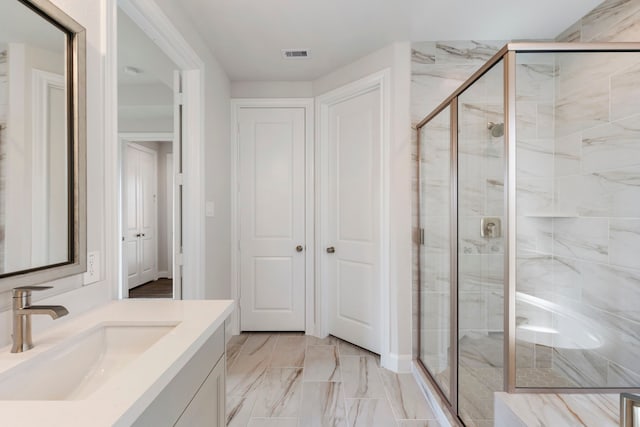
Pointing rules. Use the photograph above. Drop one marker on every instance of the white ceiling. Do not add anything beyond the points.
(19, 24)
(136, 49)
(148, 95)
(247, 35)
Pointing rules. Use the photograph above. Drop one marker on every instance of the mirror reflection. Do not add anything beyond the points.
(35, 222)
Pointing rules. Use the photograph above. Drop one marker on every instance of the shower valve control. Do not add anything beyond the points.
(490, 227)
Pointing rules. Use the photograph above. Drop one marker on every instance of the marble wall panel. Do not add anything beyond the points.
(567, 278)
(582, 238)
(534, 272)
(612, 289)
(436, 272)
(624, 243)
(581, 108)
(4, 101)
(534, 196)
(584, 368)
(472, 310)
(625, 90)
(534, 234)
(608, 15)
(466, 51)
(535, 79)
(567, 155)
(478, 273)
(627, 30)
(613, 145)
(535, 158)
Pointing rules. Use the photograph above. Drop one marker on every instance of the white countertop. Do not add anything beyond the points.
(122, 399)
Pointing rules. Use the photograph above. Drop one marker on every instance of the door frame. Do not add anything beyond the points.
(154, 22)
(380, 80)
(308, 105)
(134, 138)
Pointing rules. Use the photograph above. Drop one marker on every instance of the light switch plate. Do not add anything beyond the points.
(210, 209)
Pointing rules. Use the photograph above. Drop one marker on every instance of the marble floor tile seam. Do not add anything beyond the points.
(346, 404)
(350, 356)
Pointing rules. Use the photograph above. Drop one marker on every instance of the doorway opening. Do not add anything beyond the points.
(188, 134)
(147, 215)
(149, 119)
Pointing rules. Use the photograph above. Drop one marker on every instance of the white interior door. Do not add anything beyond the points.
(140, 214)
(271, 209)
(169, 186)
(177, 250)
(353, 238)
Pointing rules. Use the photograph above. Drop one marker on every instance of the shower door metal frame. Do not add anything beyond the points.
(508, 55)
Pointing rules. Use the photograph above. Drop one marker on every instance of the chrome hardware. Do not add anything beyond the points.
(629, 407)
(22, 311)
(139, 235)
(490, 227)
(331, 250)
(299, 248)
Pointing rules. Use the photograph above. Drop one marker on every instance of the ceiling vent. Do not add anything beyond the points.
(295, 53)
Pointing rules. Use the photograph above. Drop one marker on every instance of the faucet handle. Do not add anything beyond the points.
(26, 290)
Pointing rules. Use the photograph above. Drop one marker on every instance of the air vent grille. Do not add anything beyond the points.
(295, 53)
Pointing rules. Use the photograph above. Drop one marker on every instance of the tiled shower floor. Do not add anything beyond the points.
(291, 380)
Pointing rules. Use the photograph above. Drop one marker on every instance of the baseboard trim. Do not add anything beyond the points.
(398, 363)
(431, 397)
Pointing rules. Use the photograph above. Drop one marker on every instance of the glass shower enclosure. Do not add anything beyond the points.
(529, 188)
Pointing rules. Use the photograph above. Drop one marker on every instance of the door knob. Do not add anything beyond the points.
(139, 235)
(331, 250)
(299, 248)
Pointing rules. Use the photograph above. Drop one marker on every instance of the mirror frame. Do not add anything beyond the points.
(75, 78)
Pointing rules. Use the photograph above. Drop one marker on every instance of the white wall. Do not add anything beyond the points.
(396, 57)
(69, 291)
(271, 89)
(217, 156)
(75, 297)
(145, 108)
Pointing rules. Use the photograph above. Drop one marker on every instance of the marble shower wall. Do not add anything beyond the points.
(437, 69)
(611, 21)
(4, 100)
(579, 210)
(584, 254)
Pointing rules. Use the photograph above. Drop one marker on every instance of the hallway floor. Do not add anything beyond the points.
(291, 380)
(161, 288)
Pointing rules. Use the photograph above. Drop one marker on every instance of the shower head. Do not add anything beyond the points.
(497, 129)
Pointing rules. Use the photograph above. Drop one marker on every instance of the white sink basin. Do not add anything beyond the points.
(79, 366)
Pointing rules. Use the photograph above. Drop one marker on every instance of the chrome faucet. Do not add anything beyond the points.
(22, 311)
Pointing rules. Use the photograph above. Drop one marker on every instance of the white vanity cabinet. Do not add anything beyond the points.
(207, 408)
(195, 397)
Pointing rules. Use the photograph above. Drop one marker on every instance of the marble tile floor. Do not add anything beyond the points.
(292, 380)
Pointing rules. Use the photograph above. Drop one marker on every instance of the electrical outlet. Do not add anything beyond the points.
(210, 209)
(93, 268)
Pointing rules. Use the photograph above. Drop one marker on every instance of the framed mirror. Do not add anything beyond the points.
(42, 144)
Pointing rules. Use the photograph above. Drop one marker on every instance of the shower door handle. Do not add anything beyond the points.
(331, 250)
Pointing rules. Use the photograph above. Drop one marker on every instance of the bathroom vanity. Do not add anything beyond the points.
(128, 363)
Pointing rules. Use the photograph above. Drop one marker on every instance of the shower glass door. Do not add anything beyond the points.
(480, 208)
(435, 249)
